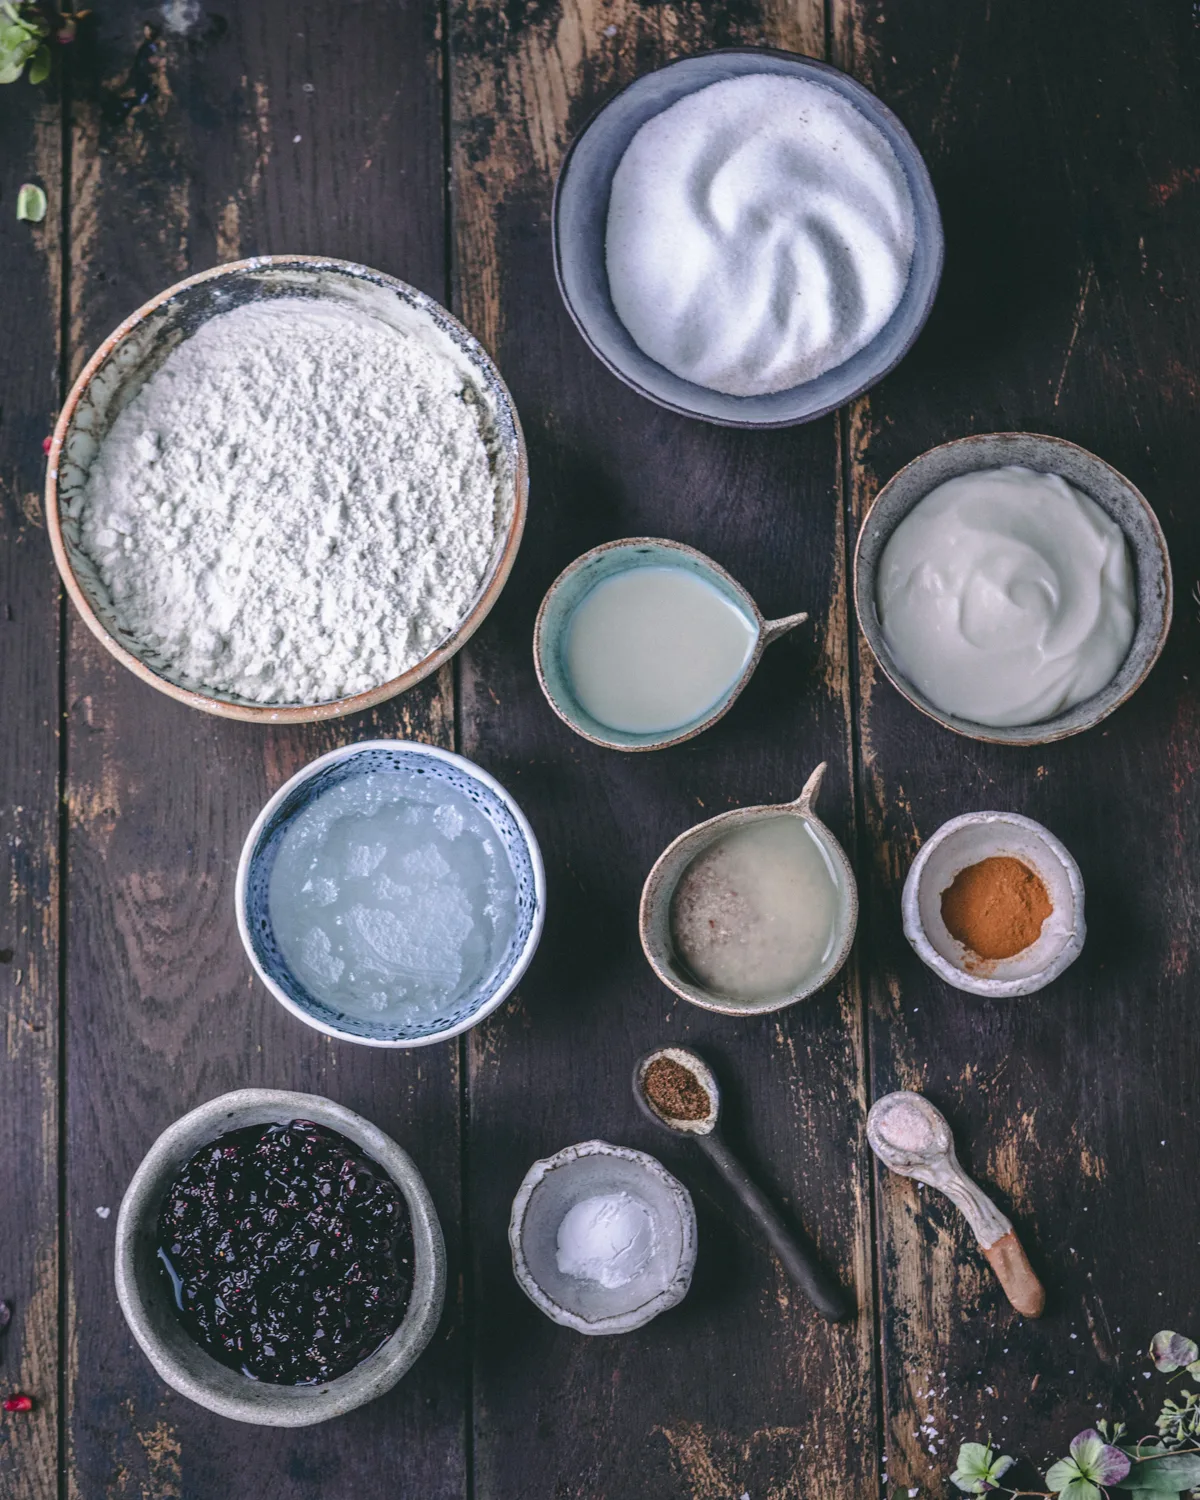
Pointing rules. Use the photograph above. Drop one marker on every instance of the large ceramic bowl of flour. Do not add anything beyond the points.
(286, 489)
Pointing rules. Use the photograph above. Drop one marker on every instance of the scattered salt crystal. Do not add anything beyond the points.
(103, 1212)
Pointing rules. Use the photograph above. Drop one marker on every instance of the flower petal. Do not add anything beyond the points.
(1172, 1351)
(1112, 1466)
(1064, 1472)
(1080, 1489)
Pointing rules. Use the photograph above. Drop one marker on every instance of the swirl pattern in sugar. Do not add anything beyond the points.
(760, 232)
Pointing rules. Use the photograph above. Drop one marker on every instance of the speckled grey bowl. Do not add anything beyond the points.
(654, 914)
(148, 1308)
(551, 1188)
(573, 585)
(963, 842)
(253, 890)
(1111, 491)
(580, 222)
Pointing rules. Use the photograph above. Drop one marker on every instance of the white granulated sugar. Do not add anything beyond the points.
(760, 232)
(297, 506)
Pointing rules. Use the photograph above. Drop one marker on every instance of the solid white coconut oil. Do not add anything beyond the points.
(392, 896)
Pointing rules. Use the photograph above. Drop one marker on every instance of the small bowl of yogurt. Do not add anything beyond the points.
(391, 893)
(748, 237)
(644, 643)
(1013, 587)
(603, 1238)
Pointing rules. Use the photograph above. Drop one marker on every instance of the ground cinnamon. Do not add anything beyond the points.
(996, 908)
(675, 1091)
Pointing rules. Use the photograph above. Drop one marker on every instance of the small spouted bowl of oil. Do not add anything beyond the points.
(752, 910)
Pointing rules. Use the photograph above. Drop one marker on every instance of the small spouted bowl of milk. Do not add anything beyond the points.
(642, 643)
(391, 893)
(752, 910)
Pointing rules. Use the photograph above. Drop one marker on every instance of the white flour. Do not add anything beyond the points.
(298, 505)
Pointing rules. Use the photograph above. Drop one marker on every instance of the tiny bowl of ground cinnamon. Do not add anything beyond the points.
(994, 904)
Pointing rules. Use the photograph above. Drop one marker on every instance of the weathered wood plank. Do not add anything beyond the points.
(1064, 148)
(276, 127)
(743, 1388)
(31, 129)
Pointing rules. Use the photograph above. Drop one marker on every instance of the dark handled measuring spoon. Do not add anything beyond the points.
(683, 1097)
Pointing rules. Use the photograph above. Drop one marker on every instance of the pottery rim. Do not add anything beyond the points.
(985, 983)
(188, 1368)
(1094, 478)
(653, 911)
(766, 633)
(732, 411)
(670, 1296)
(292, 713)
(434, 752)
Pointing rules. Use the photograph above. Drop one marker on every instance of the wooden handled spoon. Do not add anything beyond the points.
(911, 1137)
(694, 1112)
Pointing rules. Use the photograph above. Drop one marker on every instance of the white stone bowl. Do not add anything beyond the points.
(184, 1364)
(551, 1188)
(965, 841)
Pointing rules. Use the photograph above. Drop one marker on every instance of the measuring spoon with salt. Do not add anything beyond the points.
(912, 1137)
(697, 1106)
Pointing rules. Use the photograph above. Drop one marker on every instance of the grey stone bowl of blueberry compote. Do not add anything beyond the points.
(279, 1258)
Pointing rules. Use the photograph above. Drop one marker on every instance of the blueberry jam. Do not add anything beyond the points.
(288, 1255)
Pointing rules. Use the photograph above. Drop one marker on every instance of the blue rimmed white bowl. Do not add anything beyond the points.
(580, 224)
(258, 861)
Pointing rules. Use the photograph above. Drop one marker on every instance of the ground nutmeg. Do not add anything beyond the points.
(996, 907)
(675, 1091)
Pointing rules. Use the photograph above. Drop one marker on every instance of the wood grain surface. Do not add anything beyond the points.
(423, 139)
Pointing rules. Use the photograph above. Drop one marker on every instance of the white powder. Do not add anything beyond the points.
(298, 505)
(760, 232)
(608, 1239)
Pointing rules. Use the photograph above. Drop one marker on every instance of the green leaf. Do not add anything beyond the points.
(39, 68)
(1164, 1476)
(31, 203)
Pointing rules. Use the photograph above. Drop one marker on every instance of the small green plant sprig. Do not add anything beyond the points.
(1103, 1458)
(28, 28)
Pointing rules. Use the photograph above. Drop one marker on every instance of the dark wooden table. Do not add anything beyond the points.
(1064, 143)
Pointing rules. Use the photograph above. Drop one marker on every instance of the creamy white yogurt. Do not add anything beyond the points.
(1007, 597)
(760, 232)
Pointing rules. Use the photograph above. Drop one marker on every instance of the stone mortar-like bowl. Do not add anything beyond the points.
(148, 1307)
(1115, 496)
(135, 350)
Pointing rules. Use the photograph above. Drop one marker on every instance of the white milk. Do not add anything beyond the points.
(652, 649)
(392, 897)
(755, 916)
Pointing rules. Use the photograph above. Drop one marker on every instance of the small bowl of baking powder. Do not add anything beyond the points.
(603, 1238)
(286, 489)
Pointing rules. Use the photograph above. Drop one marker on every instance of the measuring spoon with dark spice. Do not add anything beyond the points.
(677, 1090)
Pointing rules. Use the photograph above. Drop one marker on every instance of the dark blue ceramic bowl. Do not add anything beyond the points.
(258, 861)
(580, 225)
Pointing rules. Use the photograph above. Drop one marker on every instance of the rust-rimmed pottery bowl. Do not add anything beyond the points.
(576, 582)
(147, 1305)
(965, 841)
(1111, 491)
(654, 917)
(137, 348)
(579, 222)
